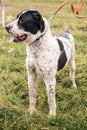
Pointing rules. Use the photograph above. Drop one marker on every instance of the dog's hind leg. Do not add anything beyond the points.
(72, 72)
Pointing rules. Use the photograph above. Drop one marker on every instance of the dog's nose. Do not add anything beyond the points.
(8, 28)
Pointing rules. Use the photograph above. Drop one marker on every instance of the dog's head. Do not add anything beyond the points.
(28, 26)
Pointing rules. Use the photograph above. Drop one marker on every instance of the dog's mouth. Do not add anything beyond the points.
(18, 38)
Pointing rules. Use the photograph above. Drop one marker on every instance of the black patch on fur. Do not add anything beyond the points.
(60, 45)
(31, 21)
(62, 59)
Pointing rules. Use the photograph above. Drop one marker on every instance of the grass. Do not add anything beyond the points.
(14, 102)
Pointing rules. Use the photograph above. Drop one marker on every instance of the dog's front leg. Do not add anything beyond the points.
(32, 85)
(50, 87)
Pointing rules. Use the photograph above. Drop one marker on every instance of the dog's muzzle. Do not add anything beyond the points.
(16, 38)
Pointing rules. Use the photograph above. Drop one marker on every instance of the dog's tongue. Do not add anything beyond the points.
(12, 39)
(18, 38)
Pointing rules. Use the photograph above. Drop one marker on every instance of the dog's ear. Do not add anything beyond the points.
(38, 18)
(18, 15)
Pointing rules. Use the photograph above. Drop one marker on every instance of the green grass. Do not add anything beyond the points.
(14, 102)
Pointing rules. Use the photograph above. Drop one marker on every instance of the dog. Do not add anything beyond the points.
(46, 54)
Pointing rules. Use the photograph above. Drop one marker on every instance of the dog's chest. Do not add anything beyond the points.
(44, 58)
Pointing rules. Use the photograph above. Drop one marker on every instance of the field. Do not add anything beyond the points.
(14, 102)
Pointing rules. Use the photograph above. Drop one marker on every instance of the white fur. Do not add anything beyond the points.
(42, 58)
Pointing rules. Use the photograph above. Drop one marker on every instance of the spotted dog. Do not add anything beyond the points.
(46, 54)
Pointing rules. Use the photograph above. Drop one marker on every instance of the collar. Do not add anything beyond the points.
(40, 36)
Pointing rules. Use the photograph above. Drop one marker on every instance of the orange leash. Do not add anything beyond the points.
(58, 9)
(76, 11)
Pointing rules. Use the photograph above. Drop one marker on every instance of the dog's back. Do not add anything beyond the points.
(67, 35)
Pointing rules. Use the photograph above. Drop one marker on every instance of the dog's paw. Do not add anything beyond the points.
(74, 86)
(52, 114)
(32, 111)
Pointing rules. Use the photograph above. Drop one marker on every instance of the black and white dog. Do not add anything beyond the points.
(46, 54)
